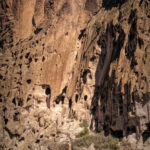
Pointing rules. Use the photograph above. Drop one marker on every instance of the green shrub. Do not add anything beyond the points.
(113, 146)
(84, 124)
(84, 132)
(100, 142)
(125, 144)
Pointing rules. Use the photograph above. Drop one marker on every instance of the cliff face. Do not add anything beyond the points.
(64, 61)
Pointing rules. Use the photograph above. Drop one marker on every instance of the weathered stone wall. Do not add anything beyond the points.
(120, 102)
(64, 61)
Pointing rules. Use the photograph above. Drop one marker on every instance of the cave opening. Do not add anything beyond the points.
(76, 98)
(70, 103)
(117, 133)
(60, 98)
(131, 129)
(82, 34)
(85, 97)
(146, 133)
(29, 81)
(47, 91)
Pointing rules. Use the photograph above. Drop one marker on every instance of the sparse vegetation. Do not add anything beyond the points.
(84, 124)
(85, 131)
(100, 142)
(113, 145)
(125, 144)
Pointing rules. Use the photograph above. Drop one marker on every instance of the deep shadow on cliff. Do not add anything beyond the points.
(110, 104)
(106, 89)
(109, 4)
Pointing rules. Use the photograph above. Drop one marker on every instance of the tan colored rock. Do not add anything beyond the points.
(64, 61)
(91, 147)
(41, 122)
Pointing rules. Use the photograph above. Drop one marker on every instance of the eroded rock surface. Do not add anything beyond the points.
(64, 61)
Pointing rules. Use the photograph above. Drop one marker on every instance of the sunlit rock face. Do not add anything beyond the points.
(62, 61)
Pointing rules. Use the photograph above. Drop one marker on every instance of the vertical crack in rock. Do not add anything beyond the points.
(132, 38)
(106, 44)
(107, 94)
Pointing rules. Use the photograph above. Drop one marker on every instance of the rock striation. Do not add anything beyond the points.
(64, 61)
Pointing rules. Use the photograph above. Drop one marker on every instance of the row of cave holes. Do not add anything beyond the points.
(30, 59)
(28, 54)
(76, 100)
(77, 96)
(48, 92)
(20, 103)
(61, 98)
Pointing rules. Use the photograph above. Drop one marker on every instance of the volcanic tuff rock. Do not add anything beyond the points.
(63, 61)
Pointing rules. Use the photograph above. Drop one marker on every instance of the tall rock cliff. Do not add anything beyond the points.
(64, 61)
